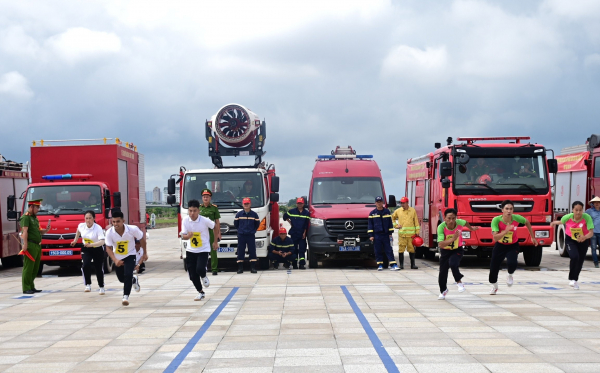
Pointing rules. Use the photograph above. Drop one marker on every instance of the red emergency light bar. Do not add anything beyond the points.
(471, 140)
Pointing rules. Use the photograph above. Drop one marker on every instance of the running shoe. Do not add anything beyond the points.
(136, 283)
(125, 301)
(509, 280)
(200, 296)
(571, 283)
(101, 291)
(443, 295)
(575, 286)
(206, 282)
(394, 267)
(494, 289)
(88, 288)
(461, 287)
(380, 268)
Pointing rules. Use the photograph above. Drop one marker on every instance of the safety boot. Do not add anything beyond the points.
(294, 264)
(412, 261)
(401, 260)
(253, 267)
(240, 267)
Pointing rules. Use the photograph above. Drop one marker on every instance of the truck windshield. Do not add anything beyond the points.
(502, 174)
(66, 199)
(228, 189)
(345, 190)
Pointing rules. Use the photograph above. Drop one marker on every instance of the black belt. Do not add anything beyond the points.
(37, 243)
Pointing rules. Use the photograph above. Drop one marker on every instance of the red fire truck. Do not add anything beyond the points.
(72, 179)
(578, 179)
(474, 177)
(13, 182)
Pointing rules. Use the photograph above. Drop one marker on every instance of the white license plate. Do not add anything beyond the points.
(349, 248)
(60, 252)
(226, 250)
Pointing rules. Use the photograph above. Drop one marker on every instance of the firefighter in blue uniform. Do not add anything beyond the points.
(281, 249)
(299, 218)
(380, 232)
(246, 222)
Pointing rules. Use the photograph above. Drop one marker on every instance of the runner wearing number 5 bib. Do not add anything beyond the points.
(505, 234)
(120, 246)
(579, 228)
(195, 228)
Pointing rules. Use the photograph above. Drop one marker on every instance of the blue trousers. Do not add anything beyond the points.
(299, 250)
(246, 240)
(594, 245)
(382, 246)
(277, 258)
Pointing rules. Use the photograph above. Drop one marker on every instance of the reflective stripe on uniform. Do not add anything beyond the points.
(299, 216)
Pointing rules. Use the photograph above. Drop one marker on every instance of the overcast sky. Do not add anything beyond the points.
(389, 78)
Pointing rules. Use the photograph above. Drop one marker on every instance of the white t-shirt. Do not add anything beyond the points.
(138, 255)
(123, 246)
(90, 235)
(200, 243)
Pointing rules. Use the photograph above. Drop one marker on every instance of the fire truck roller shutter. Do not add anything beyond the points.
(142, 188)
(124, 189)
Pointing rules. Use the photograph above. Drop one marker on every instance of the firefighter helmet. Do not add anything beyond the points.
(484, 179)
(417, 241)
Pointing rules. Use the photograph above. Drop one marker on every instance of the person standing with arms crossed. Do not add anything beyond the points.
(380, 229)
(594, 212)
(246, 222)
(92, 250)
(299, 218)
(505, 236)
(579, 228)
(31, 235)
(210, 211)
(406, 221)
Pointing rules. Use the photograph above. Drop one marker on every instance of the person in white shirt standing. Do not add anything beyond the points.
(195, 229)
(120, 246)
(92, 250)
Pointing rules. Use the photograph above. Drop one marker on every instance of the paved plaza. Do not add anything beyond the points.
(303, 321)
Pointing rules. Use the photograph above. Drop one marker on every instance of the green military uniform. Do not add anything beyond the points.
(211, 212)
(34, 240)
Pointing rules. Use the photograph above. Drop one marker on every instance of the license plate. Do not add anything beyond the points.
(349, 248)
(60, 252)
(226, 250)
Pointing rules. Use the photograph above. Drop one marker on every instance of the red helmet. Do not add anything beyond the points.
(282, 230)
(403, 199)
(417, 241)
(484, 179)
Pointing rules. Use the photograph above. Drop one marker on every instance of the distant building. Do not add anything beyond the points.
(165, 194)
(148, 196)
(156, 196)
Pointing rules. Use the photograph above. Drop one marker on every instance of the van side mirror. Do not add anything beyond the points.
(445, 169)
(171, 199)
(445, 183)
(274, 197)
(171, 186)
(392, 201)
(552, 166)
(117, 199)
(275, 184)
(462, 158)
(107, 204)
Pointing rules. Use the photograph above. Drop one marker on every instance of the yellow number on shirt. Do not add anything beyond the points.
(576, 232)
(196, 240)
(87, 240)
(122, 247)
(451, 246)
(508, 238)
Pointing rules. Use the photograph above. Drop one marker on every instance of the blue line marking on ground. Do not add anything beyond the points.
(387, 361)
(550, 288)
(196, 338)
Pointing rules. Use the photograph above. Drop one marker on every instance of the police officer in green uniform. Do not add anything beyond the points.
(32, 239)
(210, 211)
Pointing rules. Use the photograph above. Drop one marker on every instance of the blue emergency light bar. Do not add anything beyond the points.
(57, 177)
(344, 156)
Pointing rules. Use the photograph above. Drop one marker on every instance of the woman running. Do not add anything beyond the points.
(579, 228)
(449, 238)
(505, 235)
(92, 250)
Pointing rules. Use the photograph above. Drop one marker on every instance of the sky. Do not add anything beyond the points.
(389, 78)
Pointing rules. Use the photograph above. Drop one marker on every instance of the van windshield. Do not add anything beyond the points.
(345, 190)
(228, 189)
(67, 199)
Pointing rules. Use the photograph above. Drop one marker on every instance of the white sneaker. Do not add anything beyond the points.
(206, 282)
(200, 296)
(125, 301)
(443, 295)
(575, 285)
(572, 283)
(136, 283)
(88, 288)
(509, 280)
(461, 287)
(494, 289)
(101, 291)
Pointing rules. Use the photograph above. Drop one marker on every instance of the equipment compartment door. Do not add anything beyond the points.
(562, 192)
(124, 189)
(578, 187)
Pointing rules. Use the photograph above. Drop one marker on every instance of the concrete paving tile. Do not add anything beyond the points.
(522, 367)
(41, 367)
(498, 358)
(453, 368)
(578, 367)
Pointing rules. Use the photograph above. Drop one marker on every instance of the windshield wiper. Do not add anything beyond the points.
(484, 185)
(61, 209)
(525, 185)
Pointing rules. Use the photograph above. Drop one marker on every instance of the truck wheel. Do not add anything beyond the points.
(263, 263)
(312, 259)
(533, 256)
(430, 255)
(419, 253)
(561, 245)
(12, 261)
(40, 270)
(109, 265)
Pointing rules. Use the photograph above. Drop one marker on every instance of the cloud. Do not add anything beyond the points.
(15, 84)
(79, 43)
(404, 61)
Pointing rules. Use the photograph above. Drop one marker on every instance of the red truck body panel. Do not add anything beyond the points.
(11, 183)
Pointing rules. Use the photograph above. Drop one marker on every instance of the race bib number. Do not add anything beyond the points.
(508, 238)
(196, 240)
(88, 241)
(576, 233)
(452, 244)
(122, 248)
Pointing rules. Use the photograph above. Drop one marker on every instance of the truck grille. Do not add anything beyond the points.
(228, 231)
(66, 236)
(338, 226)
(494, 206)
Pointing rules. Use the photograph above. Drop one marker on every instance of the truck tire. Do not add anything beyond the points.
(312, 259)
(109, 265)
(263, 263)
(429, 255)
(12, 261)
(561, 245)
(533, 256)
(419, 253)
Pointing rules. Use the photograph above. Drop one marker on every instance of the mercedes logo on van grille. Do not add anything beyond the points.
(349, 225)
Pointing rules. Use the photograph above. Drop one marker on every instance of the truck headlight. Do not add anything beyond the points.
(542, 234)
(548, 218)
(466, 234)
(317, 222)
(260, 244)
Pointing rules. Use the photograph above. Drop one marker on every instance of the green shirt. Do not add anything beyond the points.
(33, 228)
(495, 223)
(211, 212)
(440, 232)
